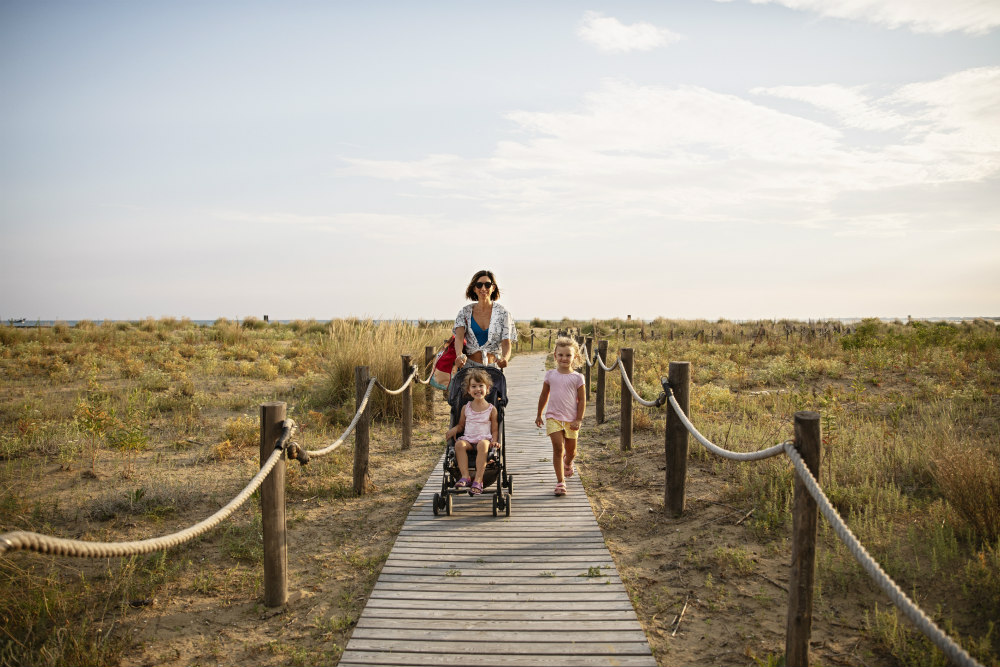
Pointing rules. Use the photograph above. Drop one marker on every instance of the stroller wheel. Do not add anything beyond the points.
(447, 503)
(510, 483)
(436, 504)
(506, 504)
(496, 503)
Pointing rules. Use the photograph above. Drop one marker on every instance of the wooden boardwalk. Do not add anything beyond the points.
(536, 588)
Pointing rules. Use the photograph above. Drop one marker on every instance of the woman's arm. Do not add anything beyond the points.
(459, 344)
(504, 353)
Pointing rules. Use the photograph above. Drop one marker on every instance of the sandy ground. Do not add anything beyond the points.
(706, 590)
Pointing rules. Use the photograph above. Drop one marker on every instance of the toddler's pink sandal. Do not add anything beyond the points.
(560, 489)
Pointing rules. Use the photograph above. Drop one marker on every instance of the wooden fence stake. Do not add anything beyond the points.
(587, 367)
(602, 352)
(676, 438)
(272, 508)
(627, 357)
(362, 479)
(805, 517)
(407, 404)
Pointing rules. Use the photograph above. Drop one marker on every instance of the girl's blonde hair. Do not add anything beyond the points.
(565, 341)
(479, 376)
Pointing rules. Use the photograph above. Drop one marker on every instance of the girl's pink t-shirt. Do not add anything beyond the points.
(562, 394)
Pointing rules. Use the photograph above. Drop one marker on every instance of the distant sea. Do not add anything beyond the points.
(17, 322)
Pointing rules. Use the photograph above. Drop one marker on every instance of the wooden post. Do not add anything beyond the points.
(587, 368)
(362, 479)
(272, 508)
(626, 355)
(407, 404)
(532, 341)
(676, 438)
(550, 341)
(428, 389)
(805, 518)
(602, 378)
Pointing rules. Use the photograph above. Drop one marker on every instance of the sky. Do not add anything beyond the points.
(738, 159)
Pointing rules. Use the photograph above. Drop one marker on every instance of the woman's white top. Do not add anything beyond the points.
(501, 328)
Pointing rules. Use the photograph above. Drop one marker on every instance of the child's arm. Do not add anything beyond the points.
(494, 428)
(457, 428)
(581, 407)
(542, 400)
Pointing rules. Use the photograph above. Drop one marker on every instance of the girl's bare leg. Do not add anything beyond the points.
(570, 452)
(558, 451)
(461, 447)
(481, 450)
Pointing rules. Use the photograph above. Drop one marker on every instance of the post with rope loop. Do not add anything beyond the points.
(532, 340)
(805, 518)
(429, 354)
(587, 367)
(627, 358)
(407, 404)
(362, 479)
(602, 379)
(676, 437)
(272, 508)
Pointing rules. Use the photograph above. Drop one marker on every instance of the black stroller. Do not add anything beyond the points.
(496, 462)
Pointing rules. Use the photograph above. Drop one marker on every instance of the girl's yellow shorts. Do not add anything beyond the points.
(554, 426)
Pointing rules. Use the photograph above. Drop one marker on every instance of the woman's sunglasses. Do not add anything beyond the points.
(484, 285)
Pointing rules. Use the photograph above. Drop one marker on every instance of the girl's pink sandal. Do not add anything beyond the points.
(569, 469)
(560, 489)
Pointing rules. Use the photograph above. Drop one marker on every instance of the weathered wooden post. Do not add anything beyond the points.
(407, 404)
(602, 378)
(428, 389)
(362, 479)
(550, 341)
(532, 340)
(676, 438)
(588, 367)
(272, 508)
(626, 356)
(805, 518)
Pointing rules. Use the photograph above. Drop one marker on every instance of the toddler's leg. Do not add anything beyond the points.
(481, 450)
(558, 451)
(461, 449)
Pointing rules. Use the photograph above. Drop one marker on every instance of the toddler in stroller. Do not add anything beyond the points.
(475, 457)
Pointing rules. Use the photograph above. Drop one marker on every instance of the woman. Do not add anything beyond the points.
(484, 327)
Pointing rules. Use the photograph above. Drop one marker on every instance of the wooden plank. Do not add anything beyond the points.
(352, 658)
(471, 588)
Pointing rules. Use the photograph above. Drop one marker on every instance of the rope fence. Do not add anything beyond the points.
(276, 445)
(803, 452)
(809, 497)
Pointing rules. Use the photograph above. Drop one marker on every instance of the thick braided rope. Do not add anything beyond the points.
(719, 451)
(610, 368)
(639, 399)
(956, 654)
(357, 415)
(396, 392)
(45, 544)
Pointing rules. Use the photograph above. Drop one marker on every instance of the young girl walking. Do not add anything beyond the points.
(479, 428)
(564, 393)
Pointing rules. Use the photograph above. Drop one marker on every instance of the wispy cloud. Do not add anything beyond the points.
(611, 35)
(927, 16)
(688, 153)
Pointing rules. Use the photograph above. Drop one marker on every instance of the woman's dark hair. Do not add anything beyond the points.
(470, 291)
